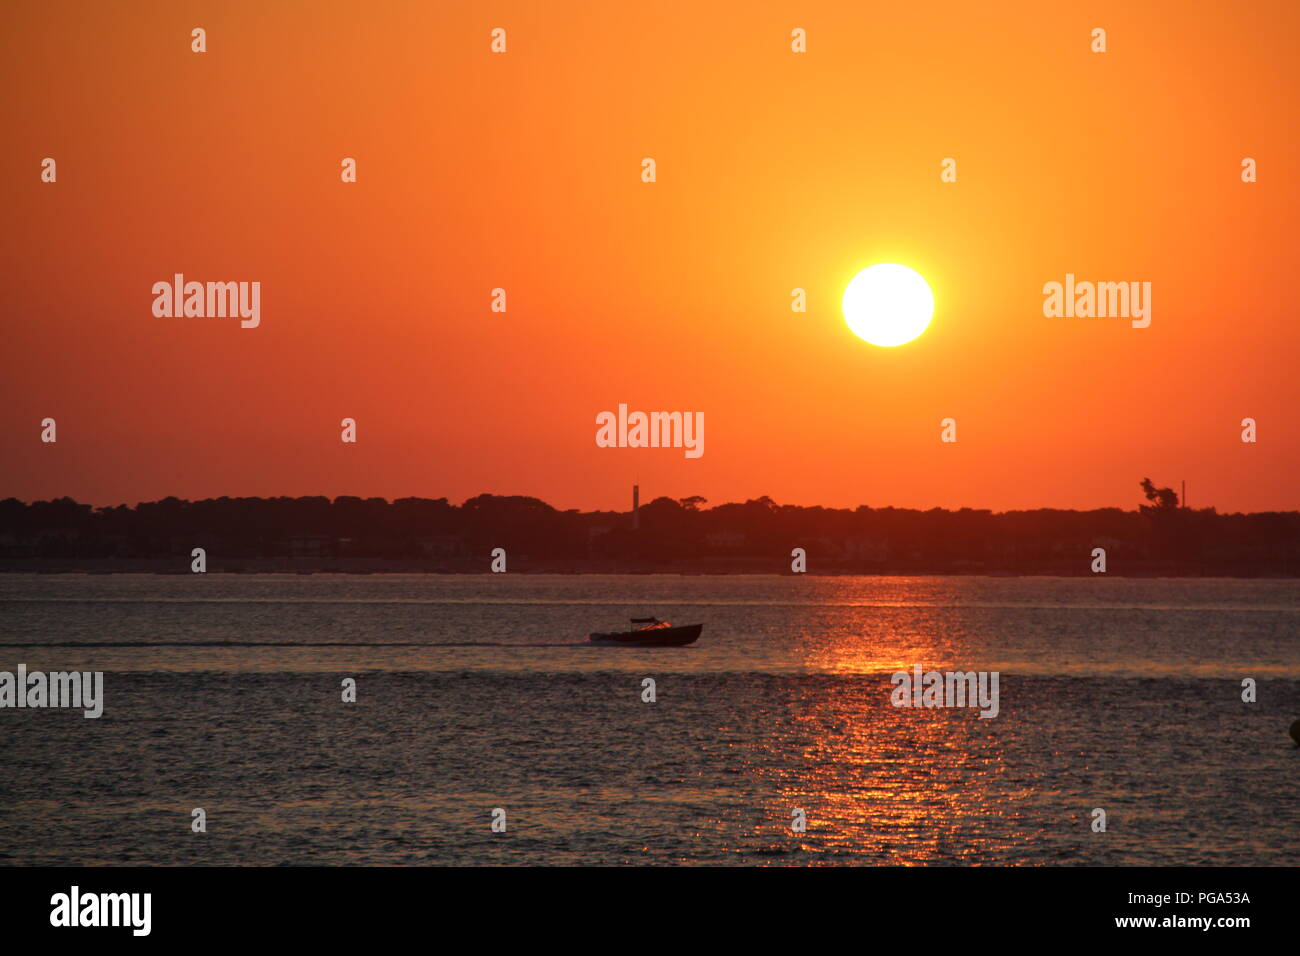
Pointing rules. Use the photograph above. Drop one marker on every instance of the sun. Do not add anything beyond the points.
(888, 304)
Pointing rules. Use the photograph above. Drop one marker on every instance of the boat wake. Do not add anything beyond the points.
(353, 644)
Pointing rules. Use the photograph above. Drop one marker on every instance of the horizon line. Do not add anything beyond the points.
(1137, 509)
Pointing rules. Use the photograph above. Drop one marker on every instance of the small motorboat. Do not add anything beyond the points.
(652, 633)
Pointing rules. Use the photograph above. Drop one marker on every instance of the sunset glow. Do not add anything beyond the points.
(775, 170)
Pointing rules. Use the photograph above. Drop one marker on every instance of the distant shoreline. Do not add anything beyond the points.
(360, 567)
(523, 535)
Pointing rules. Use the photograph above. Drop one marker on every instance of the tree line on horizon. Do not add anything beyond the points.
(670, 532)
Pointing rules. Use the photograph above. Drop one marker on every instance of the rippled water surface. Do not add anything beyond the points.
(477, 692)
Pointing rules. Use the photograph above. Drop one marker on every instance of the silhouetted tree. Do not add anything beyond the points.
(1164, 498)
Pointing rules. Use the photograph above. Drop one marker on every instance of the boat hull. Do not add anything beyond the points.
(652, 637)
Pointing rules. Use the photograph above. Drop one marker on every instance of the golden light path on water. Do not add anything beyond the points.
(893, 785)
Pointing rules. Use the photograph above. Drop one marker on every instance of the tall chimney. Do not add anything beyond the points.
(636, 507)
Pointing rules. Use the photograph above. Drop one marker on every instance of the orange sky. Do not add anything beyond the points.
(776, 171)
